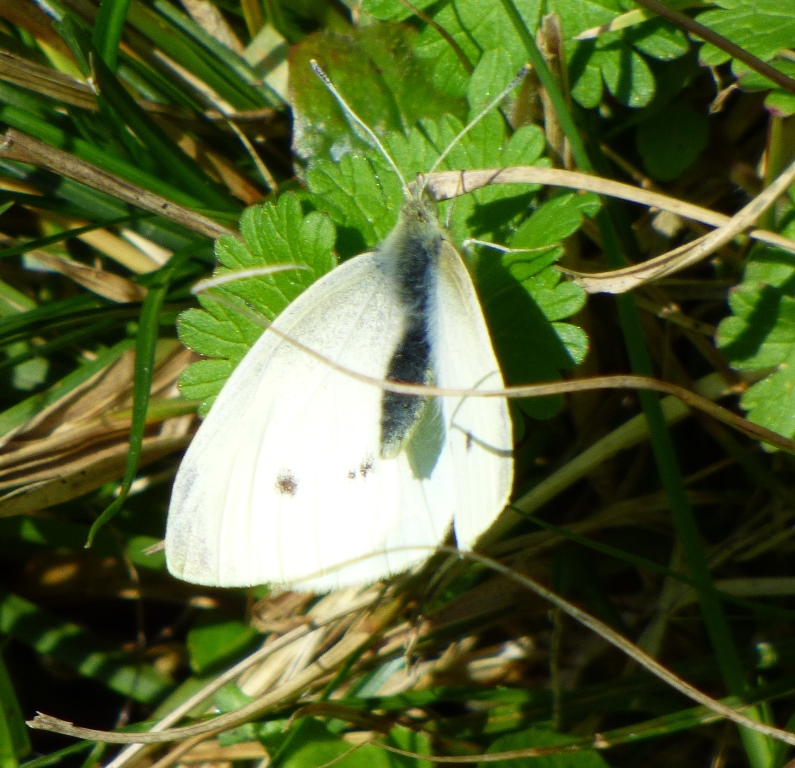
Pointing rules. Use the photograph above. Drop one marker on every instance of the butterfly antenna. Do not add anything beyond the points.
(475, 120)
(358, 121)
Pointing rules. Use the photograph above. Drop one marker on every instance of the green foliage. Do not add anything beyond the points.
(620, 61)
(76, 649)
(315, 743)
(777, 101)
(273, 234)
(14, 740)
(669, 147)
(216, 640)
(763, 28)
(362, 195)
(377, 71)
(538, 739)
(473, 665)
(476, 28)
(759, 337)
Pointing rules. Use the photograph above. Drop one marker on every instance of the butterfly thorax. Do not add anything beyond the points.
(411, 252)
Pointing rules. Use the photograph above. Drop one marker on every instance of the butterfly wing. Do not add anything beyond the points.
(479, 434)
(284, 482)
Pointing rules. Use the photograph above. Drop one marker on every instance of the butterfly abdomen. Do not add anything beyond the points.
(412, 250)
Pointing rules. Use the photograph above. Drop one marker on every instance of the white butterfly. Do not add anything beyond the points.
(304, 476)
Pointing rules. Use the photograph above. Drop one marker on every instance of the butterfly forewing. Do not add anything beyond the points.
(284, 480)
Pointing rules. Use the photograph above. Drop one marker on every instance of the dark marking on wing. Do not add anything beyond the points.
(286, 483)
(366, 466)
(470, 442)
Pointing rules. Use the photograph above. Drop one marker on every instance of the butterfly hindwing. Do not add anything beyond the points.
(284, 479)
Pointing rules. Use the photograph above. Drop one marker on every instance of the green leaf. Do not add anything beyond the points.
(375, 70)
(760, 335)
(363, 197)
(753, 81)
(779, 102)
(658, 40)
(769, 402)
(78, 649)
(586, 76)
(523, 296)
(535, 738)
(476, 28)
(616, 59)
(626, 74)
(225, 328)
(202, 380)
(519, 304)
(492, 74)
(216, 640)
(554, 221)
(576, 17)
(313, 743)
(14, 741)
(669, 146)
(761, 27)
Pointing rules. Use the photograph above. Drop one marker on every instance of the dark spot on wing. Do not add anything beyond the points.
(470, 441)
(363, 470)
(287, 484)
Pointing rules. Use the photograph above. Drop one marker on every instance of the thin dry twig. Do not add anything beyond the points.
(16, 145)
(447, 184)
